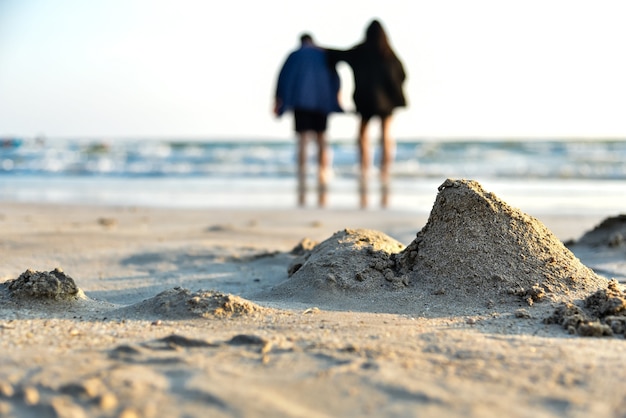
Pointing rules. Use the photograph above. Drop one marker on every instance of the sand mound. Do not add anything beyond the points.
(41, 285)
(356, 260)
(611, 232)
(475, 243)
(180, 303)
(474, 252)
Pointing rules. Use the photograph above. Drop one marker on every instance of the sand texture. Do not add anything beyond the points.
(477, 310)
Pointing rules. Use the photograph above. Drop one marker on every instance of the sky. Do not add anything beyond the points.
(206, 69)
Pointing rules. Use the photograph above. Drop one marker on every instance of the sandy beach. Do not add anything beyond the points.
(311, 313)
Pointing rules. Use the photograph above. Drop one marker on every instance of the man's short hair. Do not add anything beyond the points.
(306, 38)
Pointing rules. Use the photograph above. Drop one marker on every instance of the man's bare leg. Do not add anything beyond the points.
(322, 167)
(301, 168)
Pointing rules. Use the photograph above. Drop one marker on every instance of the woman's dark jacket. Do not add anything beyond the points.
(377, 81)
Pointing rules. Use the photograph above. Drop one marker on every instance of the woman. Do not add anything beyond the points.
(378, 89)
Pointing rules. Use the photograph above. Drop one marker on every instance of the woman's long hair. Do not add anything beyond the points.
(376, 39)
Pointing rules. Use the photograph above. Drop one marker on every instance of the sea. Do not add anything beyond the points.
(551, 176)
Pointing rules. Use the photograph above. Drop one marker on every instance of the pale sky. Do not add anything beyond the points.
(206, 69)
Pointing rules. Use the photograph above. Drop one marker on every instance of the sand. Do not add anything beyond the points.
(477, 309)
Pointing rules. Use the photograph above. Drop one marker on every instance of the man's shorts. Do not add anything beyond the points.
(307, 120)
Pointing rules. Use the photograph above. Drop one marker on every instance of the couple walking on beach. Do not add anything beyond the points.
(308, 85)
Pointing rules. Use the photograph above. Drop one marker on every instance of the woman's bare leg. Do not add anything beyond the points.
(387, 156)
(364, 155)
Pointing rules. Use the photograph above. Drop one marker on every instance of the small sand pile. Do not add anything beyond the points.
(304, 246)
(476, 244)
(474, 252)
(603, 313)
(610, 233)
(53, 285)
(352, 259)
(180, 303)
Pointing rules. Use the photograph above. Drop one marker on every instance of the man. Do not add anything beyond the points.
(309, 88)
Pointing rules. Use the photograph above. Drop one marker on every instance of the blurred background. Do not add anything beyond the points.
(168, 103)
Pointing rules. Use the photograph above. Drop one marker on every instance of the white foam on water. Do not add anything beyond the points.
(534, 196)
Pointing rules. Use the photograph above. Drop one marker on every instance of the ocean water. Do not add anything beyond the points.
(537, 176)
